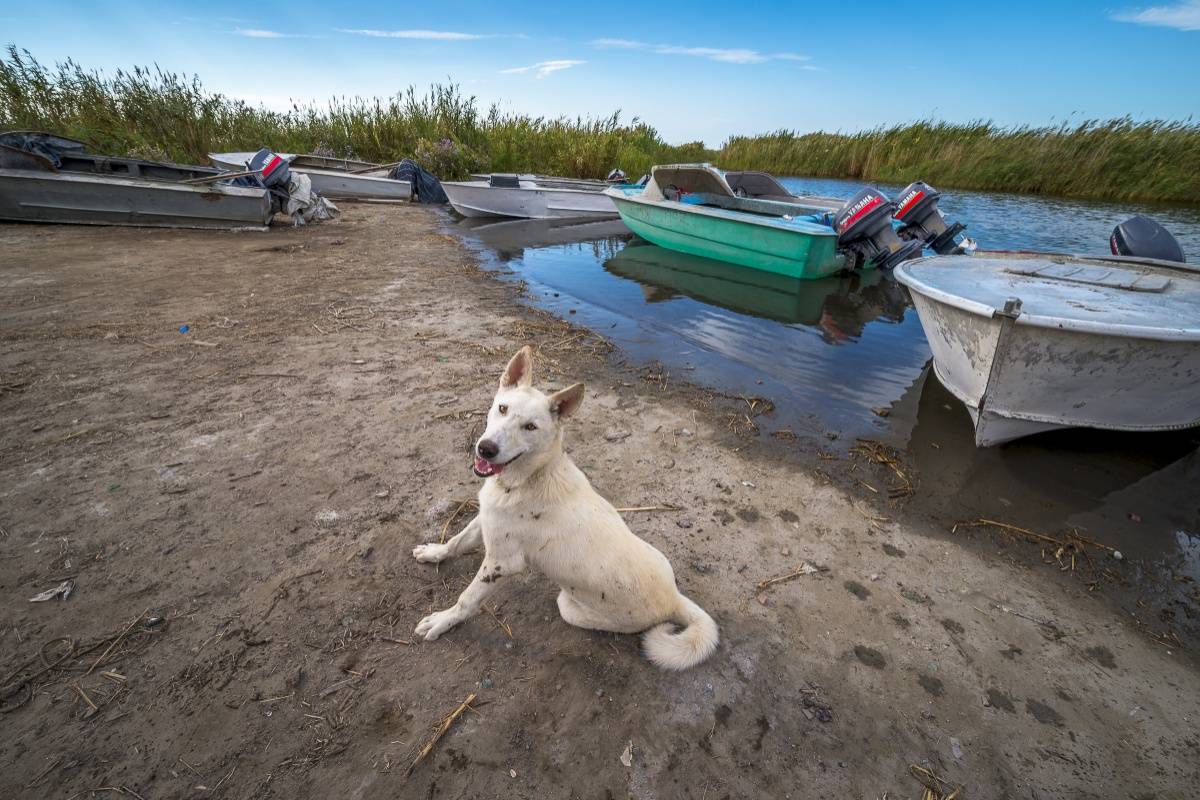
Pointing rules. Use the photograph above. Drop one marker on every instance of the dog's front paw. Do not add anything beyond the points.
(431, 553)
(436, 624)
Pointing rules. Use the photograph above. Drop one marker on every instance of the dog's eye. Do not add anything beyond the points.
(503, 409)
(529, 426)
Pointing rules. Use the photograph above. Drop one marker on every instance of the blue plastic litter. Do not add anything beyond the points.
(184, 328)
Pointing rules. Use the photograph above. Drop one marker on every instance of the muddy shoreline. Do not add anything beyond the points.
(257, 485)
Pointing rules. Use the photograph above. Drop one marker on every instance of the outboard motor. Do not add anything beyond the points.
(616, 176)
(864, 228)
(1145, 238)
(274, 169)
(920, 219)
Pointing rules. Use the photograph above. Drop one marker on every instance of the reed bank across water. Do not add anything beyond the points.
(157, 114)
(1156, 161)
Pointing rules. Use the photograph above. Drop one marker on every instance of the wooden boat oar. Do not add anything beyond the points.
(220, 176)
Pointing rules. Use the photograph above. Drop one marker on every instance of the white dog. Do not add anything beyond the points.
(536, 508)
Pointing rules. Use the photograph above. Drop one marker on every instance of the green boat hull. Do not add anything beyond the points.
(770, 247)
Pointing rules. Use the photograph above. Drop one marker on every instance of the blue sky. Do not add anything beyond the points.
(695, 70)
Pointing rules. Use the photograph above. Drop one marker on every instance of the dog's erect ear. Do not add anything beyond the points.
(519, 371)
(565, 403)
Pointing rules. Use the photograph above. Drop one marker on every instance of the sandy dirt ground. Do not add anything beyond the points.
(237, 506)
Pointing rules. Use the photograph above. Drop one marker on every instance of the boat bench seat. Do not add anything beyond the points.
(752, 205)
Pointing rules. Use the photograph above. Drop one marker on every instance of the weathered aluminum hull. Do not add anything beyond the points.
(328, 180)
(478, 199)
(79, 198)
(1018, 379)
(344, 186)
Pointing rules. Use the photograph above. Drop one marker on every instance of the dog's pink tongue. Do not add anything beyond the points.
(485, 467)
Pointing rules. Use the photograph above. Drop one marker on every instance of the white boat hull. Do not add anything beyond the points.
(335, 184)
(1017, 379)
(478, 199)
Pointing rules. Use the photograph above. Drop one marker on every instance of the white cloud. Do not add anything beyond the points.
(626, 43)
(737, 55)
(1184, 16)
(442, 36)
(544, 68)
(258, 33)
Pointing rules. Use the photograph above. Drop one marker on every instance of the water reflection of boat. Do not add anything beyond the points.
(841, 305)
(509, 237)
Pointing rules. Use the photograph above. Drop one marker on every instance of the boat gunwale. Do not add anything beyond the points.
(977, 308)
(728, 215)
(540, 189)
(145, 183)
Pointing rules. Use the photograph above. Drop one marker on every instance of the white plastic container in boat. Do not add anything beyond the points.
(1034, 342)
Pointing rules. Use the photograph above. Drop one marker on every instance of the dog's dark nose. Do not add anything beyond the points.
(488, 449)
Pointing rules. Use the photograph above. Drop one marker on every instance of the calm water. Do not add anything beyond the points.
(831, 353)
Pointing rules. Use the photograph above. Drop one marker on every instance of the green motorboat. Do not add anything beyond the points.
(691, 208)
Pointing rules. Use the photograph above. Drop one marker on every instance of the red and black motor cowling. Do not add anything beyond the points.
(921, 220)
(865, 234)
(273, 168)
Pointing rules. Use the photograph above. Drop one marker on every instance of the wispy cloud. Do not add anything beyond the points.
(544, 68)
(1183, 16)
(737, 55)
(259, 33)
(441, 36)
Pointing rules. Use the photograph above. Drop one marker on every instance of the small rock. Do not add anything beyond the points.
(685, 432)
(486, 683)
(627, 754)
(616, 434)
(683, 523)
(512, 773)
(785, 552)
(874, 576)
(1117, 555)
(956, 748)
(382, 494)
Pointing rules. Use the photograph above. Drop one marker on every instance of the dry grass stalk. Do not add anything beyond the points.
(933, 784)
(468, 503)
(444, 726)
(805, 568)
(879, 453)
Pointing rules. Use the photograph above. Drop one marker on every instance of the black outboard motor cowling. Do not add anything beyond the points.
(1145, 238)
(920, 219)
(864, 228)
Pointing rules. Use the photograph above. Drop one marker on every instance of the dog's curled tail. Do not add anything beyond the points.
(671, 649)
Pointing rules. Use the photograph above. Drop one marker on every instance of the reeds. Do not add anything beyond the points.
(1117, 159)
(157, 114)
